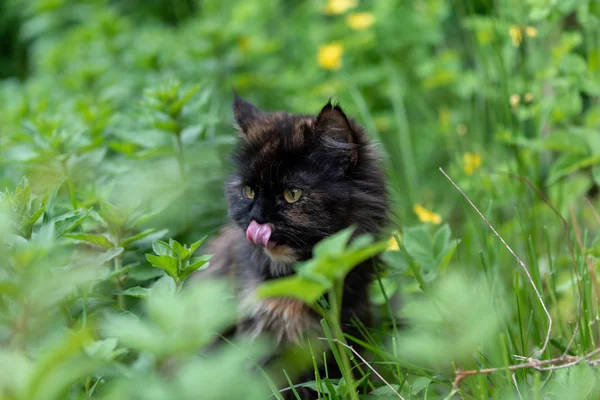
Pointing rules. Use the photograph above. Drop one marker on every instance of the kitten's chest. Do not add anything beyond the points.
(286, 319)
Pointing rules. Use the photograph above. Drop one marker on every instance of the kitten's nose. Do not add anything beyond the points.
(257, 215)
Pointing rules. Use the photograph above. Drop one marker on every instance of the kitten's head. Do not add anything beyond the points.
(300, 178)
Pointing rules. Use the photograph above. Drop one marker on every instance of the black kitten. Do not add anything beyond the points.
(298, 179)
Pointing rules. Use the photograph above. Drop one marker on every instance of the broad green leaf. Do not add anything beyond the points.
(579, 382)
(333, 245)
(195, 264)
(441, 240)
(377, 296)
(396, 260)
(105, 350)
(138, 292)
(162, 248)
(69, 221)
(98, 240)
(167, 263)
(566, 142)
(292, 286)
(180, 251)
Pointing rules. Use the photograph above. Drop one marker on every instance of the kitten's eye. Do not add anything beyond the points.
(292, 195)
(248, 192)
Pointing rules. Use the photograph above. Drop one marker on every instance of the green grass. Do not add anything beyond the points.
(114, 141)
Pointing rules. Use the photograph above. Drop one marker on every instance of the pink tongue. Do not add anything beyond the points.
(260, 234)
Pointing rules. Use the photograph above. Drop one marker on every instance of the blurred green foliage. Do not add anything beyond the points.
(115, 131)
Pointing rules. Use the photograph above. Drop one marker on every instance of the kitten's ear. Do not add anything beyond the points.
(332, 122)
(333, 125)
(244, 113)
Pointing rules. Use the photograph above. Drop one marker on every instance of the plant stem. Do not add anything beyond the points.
(180, 155)
(70, 186)
(120, 298)
(335, 314)
(411, 264)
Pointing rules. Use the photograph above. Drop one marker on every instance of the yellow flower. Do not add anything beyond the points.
(528, 97)
(339, 6)
(427, 216)
(531, 31)
(330, 56)
(392, 245)
(516, 35)
(471, 162)
(514, 100)
(360, 21)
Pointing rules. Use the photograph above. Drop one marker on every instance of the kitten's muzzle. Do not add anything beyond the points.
(260, 234)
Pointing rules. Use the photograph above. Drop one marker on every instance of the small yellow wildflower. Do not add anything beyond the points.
(531, 31)
(471, 162)
(462, 129)
(514, 100)
(528, 97)
(339, 6)
(360, 21)
(330, 56)
(392, 245)
(427, 216)
(516, 35)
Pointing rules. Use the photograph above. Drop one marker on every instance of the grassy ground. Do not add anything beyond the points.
(114, 136)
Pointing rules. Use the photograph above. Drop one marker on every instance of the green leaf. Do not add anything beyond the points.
(109, 255)
(167, 263)
(69, 221)
(162, 248)
(135, 238)
(441, 240)
(377, 296)
(419, 384)
(292, 286)
(176, 107)
(570, 163)
(179, 251)
(105, 350)
(194, 246)
(195, 264)
(333, 245)
(98, 240)
(137, 291)
(565, 142)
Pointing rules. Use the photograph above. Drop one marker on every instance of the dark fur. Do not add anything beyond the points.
(329, 157)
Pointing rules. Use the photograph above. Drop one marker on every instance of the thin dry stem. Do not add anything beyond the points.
(521, 263)
(357, 354)
(540, 365)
